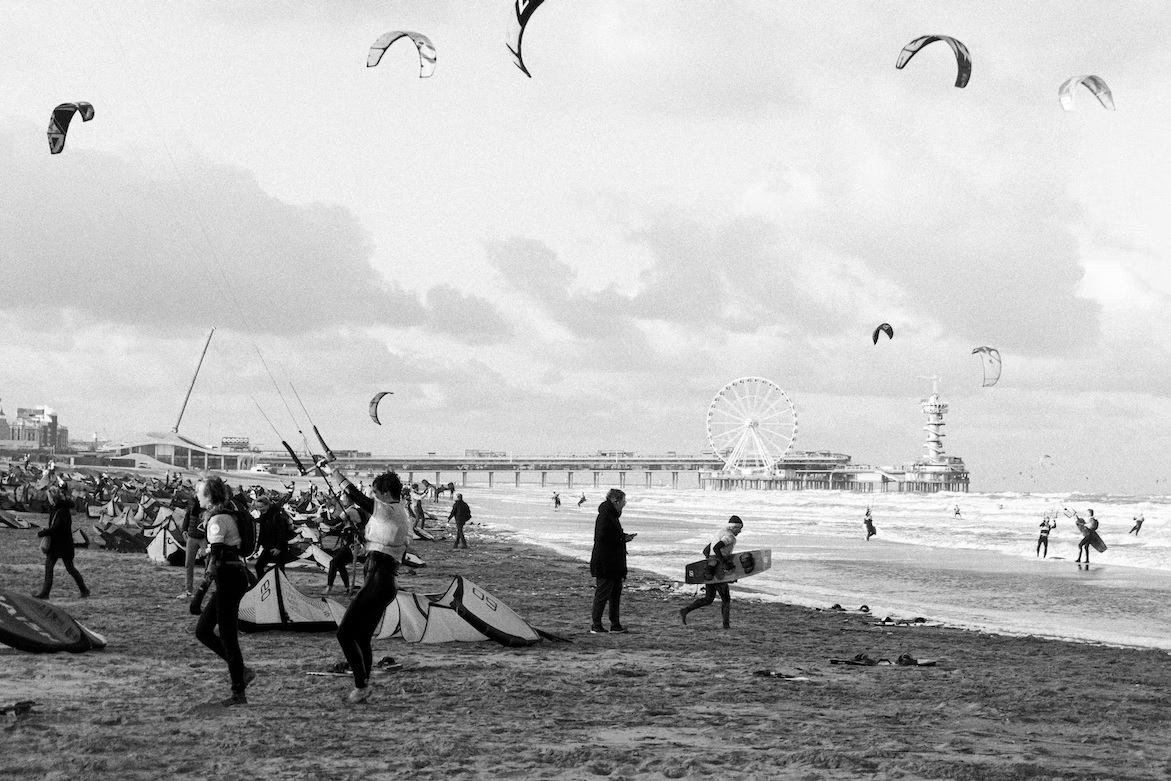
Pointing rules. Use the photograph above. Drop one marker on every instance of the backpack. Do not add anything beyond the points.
(246, 525)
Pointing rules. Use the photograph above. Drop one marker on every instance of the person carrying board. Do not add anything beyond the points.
(717, 552)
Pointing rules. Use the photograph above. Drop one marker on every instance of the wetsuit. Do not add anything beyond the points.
(226, 567)
(721, 549)
(1043, 540)
(387, 533)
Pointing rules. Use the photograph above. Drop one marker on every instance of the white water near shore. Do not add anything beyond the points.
(977, 571)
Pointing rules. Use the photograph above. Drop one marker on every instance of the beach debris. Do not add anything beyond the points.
(18, 709)
(963, 57)
(864, 609)
(422, 43)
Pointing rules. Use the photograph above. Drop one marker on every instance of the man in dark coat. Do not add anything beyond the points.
(462, 514)
(276, 530)
(608, 561)
(60, 541)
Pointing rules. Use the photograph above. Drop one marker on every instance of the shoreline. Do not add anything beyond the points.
(664, 701)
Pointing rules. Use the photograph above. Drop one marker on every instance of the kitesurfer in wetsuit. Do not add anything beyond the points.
(1138, 525)
(870, 530)
(1043, 541)
(719, 551)
(581, 501)
(225, 567)
(276, 530)
(1088, 528)
(387, 534)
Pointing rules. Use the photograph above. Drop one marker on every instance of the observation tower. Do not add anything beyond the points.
(935, 471)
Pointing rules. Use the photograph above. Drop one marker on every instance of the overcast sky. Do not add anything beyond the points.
(682, 194)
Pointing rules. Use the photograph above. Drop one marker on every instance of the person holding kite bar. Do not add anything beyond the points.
(387, 534)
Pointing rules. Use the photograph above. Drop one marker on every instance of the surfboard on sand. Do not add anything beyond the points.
(745, 564)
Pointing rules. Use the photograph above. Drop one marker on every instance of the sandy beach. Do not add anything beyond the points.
(664, 701)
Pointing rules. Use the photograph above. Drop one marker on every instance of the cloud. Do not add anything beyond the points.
(105, 239)
(468, 318)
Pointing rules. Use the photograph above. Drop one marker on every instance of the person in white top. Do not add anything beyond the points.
(720, 550)
(387, 533)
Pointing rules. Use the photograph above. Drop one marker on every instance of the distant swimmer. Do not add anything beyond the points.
(1138, 525)
(870, 530)
(1043, 541)
(556, 500)
(581, 501)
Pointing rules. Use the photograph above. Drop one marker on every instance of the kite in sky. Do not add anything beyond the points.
(422, 43)
(991, 360)
(522, 11)
(59, 123)
(1093, 83)
(374, 405)
(883, 329)
(963, 58)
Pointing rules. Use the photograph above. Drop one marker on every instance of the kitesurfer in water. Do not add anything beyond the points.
(718, 552)
(556, 500)
(225, 568)
(1047, 525)
(581, 501)
(387, 533)
(1138, 525)
(1088, 528)
(870, 530)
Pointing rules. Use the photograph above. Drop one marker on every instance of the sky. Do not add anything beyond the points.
(682, 194)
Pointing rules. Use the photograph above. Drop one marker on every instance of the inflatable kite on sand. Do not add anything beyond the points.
(37, 626)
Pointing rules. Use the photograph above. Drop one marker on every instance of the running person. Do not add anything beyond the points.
(387, 534)
(225, 567)
(719, 551)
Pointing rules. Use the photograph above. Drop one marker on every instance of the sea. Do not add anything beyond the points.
(978, 569)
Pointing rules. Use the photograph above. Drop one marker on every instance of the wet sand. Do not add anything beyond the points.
(664, 701)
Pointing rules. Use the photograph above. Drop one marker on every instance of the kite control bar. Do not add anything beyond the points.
(329, 456)
(296, 461)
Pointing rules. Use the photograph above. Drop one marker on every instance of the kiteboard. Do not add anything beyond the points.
(745, 564)
(1091, 537)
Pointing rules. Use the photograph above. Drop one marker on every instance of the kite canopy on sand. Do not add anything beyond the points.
(37, 626)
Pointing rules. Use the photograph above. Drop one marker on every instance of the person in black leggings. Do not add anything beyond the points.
(60, 546)
(225, 567)
(387, 532)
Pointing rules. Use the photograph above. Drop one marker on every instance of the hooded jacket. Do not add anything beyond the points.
(608, 559)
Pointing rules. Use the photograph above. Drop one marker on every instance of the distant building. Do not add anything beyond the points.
(235, 443)
(177, 450)
(34, 428)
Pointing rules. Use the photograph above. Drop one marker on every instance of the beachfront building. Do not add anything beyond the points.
(33, 429)
(176, 450)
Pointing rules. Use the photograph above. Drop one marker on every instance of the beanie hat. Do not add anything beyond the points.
(735, 519)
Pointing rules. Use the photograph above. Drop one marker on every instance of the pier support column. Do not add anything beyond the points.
(569, 479)
(543, 475)
(622, 480)
(597, 478)
(490, 476)
(410, 477)
(674, 479)
(463, 480)
(516, 479)
(437, 478)
(648, 479)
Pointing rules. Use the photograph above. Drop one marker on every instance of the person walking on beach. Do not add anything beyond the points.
(1138, 525)
(556, 500)
(57, 542)
(608, 562)
(718, 551)
(869, 522)
(387, 533)
(1043, 541)
(227, 537)
(1089, 529)
(196, 544)
(461, 513)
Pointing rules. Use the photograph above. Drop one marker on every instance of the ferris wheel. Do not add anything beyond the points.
(751, 423)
